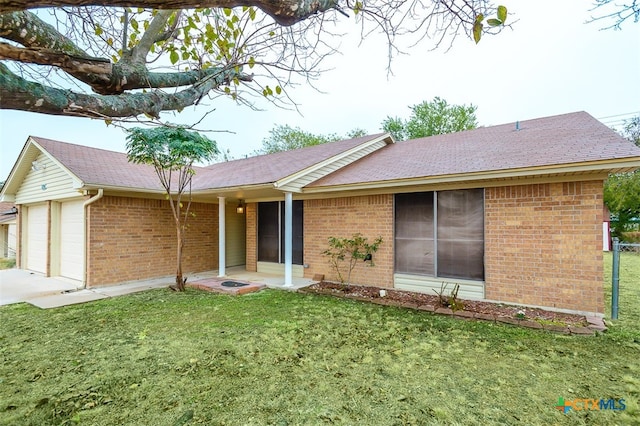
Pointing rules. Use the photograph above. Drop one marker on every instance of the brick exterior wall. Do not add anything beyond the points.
(251, 262)
(372, 216)
(134, 239)
(543, 245)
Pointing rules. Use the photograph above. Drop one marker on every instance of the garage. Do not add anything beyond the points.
(72, 240)
(37, 238)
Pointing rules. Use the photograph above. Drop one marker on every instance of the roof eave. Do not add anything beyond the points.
(118, 188)
(604, 167)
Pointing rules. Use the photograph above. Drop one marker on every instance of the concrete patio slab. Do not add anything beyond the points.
(18, 285)
(270, 280)
(64, 299)
(217, 285)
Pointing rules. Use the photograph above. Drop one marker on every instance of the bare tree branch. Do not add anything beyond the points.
(68, 63)
(284, 12)
(620, 13)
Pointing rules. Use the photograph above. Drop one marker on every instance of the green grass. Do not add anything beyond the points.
(279, 358)
(7, 263)
(629, 298)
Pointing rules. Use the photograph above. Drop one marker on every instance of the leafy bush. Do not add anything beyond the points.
(350, 250)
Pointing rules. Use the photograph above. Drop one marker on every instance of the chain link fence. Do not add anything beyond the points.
(629, 254)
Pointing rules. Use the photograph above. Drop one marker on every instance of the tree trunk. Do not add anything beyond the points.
(180, 284)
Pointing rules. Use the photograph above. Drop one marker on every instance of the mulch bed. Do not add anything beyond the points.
(473, 309)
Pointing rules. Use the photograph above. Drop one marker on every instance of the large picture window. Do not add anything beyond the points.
(271, 232)
(440, 234)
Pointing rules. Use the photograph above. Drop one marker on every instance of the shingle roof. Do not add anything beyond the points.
(96, 166)
(5, 215)
(270, 168)
(108, 168)
(551, 141)
(5, 207)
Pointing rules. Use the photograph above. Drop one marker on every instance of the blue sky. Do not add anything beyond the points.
(551, 62)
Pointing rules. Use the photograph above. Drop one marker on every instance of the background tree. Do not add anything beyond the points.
(172, 151)
(430, 118)
(622, 190)
(78, 58)
(632, 130)
(286, 138)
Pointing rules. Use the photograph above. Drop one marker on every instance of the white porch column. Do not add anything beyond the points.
(288, 239)
(221, 237)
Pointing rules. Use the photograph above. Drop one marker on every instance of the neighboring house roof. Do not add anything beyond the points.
(543, 144)
(8, 212)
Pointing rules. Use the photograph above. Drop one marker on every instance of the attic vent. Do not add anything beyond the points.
(517, 125)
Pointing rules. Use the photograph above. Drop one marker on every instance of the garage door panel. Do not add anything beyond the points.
(37, 231)
(72, 239)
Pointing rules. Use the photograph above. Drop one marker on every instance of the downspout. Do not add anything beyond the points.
(85, 252)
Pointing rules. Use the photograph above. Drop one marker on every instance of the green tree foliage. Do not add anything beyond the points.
(172, 151)
(286, 138)
(622, 191)
(632, 130)
(622, 197)
(114, 60)
(430, 118)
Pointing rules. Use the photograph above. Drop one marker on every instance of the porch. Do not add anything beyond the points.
(18, 285)
(239, 273)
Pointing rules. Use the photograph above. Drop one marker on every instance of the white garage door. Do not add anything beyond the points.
(72, 240)
(37, 238)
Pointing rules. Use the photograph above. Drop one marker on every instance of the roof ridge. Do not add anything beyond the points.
(297, 150)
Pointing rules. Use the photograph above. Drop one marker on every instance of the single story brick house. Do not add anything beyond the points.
(512, 213)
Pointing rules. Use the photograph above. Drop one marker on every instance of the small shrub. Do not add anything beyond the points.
(450, 301)
(350, 250)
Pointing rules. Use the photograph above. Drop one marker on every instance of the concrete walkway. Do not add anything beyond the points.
(18, 285)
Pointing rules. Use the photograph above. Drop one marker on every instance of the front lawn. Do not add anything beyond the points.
(164, 358)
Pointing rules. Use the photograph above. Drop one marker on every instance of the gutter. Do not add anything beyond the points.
(86, 204)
